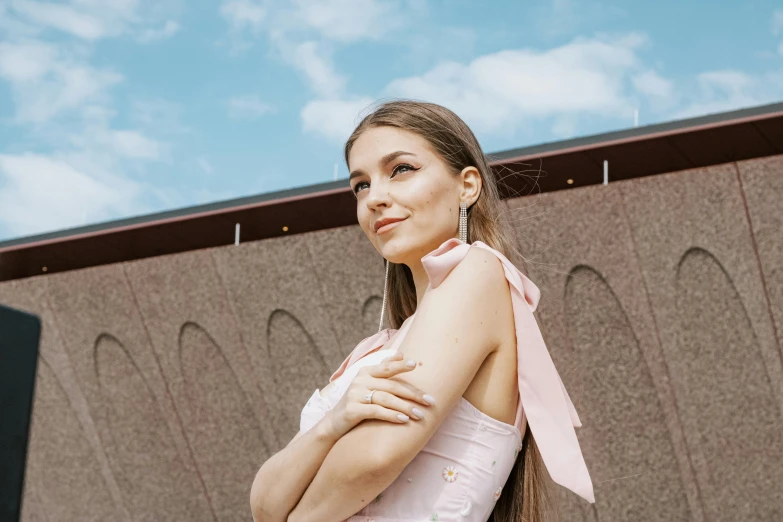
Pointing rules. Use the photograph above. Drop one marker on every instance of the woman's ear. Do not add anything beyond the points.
(471, 185)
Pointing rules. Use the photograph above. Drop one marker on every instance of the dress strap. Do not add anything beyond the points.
(544, 402)
(373, 343)
(365, 346)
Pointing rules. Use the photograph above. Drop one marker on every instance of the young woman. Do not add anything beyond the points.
(460, 427)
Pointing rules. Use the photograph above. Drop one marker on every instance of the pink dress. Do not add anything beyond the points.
(460, 473)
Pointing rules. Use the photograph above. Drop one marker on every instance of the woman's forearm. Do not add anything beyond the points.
(283, 479)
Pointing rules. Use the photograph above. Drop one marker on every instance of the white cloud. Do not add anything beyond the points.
(243, 17)
(312, 60)
(96, 138)
(63, 17)
(652, 84)
(777, 22)
(63, 104)
(507, 92)
(558, 18)
(777, 27)
(41, 193)
(333, 20)
(204, 164)
(720, 91)
(659, 92)
(302, 31)
(86, 19)
(169, 29)
(504, 90)
(22, 63)
(158, 115)
(350, 20)
(91, 20)
(46, 81)
(247, 107)
(334, 119)
(132, 144)
(727, 80)
(241, 14)
(11, 26)
(565, 126)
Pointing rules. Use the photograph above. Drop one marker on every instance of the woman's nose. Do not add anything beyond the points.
(377, 196)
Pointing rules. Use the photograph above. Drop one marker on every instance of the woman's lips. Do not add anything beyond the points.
(386, 228)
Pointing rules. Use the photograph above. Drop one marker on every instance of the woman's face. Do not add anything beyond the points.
(396, 174)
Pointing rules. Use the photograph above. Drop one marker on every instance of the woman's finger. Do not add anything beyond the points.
(392, 402)
(388, 369)
(376, 411)
(394, 357)
(358, 409)
(402, 390)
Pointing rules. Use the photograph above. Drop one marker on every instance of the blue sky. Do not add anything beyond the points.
(116, 108)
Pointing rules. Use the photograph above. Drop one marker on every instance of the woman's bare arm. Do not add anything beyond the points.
(283, 478)
(454, 331)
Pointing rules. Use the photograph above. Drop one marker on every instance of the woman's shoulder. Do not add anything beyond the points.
(475, 259)
(476, 273)
(468, 302)
(441, 262)
(484, 263)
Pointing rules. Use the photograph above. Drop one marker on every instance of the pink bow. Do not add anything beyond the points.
(544, 401)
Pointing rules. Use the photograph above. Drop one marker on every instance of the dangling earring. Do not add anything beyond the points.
(463, 222)
(383, 306)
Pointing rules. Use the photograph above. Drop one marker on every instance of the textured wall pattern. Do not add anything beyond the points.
(165, 383)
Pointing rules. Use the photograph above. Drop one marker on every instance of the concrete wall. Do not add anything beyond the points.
(164, 383)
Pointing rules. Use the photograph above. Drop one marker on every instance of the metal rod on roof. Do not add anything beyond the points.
(236, 235)
(636, 117)
(335, 171)
(606, 172)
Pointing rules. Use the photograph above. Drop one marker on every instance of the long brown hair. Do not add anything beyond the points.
(526, 495)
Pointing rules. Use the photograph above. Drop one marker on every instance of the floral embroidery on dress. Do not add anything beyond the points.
(497, 492)
(450, 473)
(434, 517)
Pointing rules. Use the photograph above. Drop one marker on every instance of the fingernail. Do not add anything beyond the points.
(411, 364)
(429, 399)
(417, 412)
(403, 417)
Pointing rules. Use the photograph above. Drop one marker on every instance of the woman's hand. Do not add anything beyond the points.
(393, 401)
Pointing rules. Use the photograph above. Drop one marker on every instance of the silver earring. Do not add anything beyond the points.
(463, 222)
(383, 306)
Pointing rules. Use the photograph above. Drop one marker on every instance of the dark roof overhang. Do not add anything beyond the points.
(632, 153)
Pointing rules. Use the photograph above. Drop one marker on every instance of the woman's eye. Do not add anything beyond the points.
(402, 166)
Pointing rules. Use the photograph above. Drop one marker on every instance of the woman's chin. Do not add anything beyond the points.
(392, 250)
